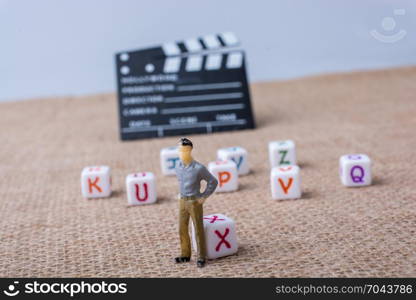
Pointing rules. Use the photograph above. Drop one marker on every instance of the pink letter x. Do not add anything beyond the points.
(213, 219)
(222, 237)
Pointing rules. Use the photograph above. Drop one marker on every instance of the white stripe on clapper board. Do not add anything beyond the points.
(209, 86)
(168, 111)
(203, 124)
(206, 97)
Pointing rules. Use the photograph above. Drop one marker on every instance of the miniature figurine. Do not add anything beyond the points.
(190, 173)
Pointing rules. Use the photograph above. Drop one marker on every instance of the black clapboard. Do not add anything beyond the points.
(194, 86)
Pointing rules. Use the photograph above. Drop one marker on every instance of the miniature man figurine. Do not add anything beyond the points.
(190, 173)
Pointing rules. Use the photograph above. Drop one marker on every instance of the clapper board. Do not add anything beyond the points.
(194, 86)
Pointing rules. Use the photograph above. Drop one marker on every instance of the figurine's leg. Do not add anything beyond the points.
(197, 219)
(184, 232)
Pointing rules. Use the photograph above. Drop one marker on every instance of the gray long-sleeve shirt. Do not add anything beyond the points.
(190, 177)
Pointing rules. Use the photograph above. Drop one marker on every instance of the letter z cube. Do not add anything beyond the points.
(282, 153)
(285, 182)
(226, 173)
(96, 182)
(220, 236)
(141, 188)
(355, 170)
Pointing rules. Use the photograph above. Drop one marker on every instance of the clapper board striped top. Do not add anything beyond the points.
(181, 88)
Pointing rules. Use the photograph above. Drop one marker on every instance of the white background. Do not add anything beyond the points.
(51, 47)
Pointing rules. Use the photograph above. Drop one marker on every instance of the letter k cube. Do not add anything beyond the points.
(96, 182)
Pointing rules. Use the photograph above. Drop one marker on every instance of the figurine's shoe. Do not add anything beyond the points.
(182, 259)
(200, 263)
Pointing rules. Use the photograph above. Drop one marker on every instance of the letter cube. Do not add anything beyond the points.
(220, 236)
(226, 173)
(238, 155)
(96, 182)
(141, 188)
(169, 160)
(282, 153)
(285, 182)
(355, 170)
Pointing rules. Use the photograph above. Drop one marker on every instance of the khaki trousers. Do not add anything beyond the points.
(189, 207)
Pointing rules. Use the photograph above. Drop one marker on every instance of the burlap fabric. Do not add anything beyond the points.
(48, 229)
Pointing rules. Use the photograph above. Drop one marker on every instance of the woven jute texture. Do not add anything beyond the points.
(48, 229)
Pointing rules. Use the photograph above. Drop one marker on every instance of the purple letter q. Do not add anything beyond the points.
(358, 176)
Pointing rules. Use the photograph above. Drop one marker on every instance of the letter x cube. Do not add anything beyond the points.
(226, 173)
(355, 170)
(96, 182)
(169, 160)
(141, 188)
(285, 182)
(238, 155)
(220, 236)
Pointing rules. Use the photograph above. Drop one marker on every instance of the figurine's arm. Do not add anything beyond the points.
(212, 182)
(177, 173)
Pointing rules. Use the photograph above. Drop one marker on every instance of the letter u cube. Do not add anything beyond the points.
(355, 170)
(226, 173)
(220, 236)
(141, 188)
(285, 182)
(96, 182)
(238, 155)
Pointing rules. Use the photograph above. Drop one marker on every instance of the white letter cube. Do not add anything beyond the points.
(282, 153)
(96, 182)
(285, 182)
(238, 155)
(141, 188)
(355, 170)
(220, 236)
(169, 160)
(226, 173)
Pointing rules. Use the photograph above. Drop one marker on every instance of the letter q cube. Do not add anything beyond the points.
(220, 236)
(238, 155)
(355, 170)
(169, 160)
(96, 182)
(285, 182)
(141, 188)
(226, 173)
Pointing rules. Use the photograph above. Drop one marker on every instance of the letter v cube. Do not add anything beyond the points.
(220, 236)
(355, 170)
(225, 171)
(96, 182)
(238, 155)
(141, 188)
(285, 182)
